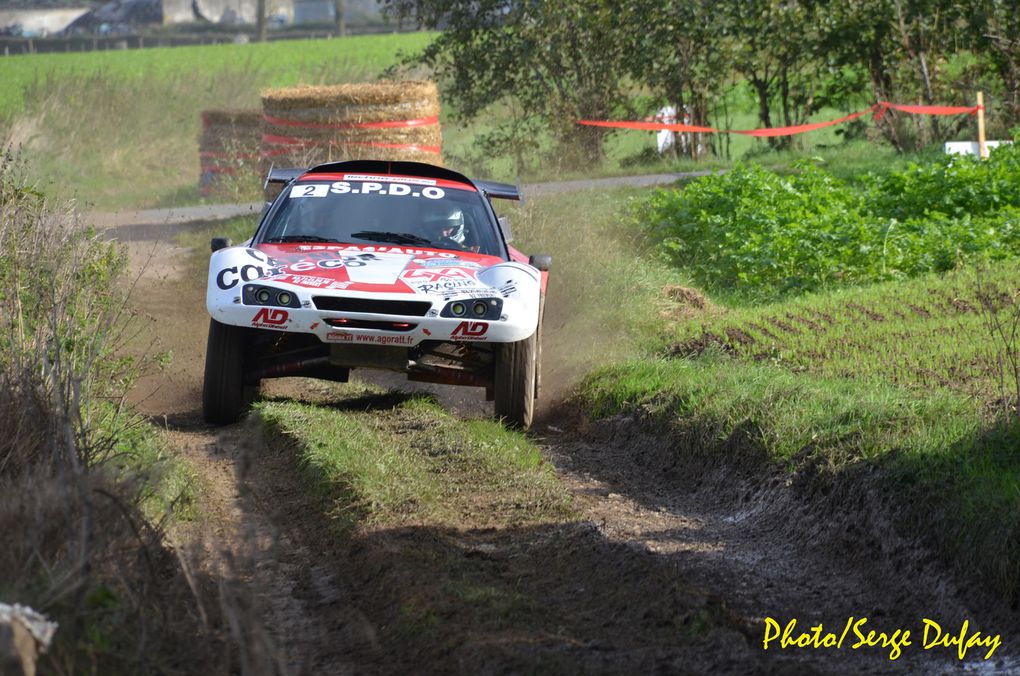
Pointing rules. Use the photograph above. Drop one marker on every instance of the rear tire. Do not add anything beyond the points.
(516, 370)
(224, 395)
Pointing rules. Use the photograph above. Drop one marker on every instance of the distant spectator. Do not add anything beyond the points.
(665, 139)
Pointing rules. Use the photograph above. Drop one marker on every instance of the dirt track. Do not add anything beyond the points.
(665, 545)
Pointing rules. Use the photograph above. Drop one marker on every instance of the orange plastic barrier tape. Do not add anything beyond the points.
(879, 109)
(420, 122)
(932, 110)
(648, 126)
(802, 128)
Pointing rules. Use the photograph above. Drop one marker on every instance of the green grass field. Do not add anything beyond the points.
(119, 129)
(274, 64)
(931, 333)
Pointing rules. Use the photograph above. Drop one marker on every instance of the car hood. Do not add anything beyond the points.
(378, 268)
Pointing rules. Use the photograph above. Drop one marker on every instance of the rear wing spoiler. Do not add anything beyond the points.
(282, 175)
(503, 191)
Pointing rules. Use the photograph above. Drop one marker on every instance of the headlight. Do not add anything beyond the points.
(256, 294)
(479, 308)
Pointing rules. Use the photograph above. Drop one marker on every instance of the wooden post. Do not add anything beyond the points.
(982, 148)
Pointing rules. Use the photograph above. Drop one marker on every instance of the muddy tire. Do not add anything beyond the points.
(225, 398)
(516, 372)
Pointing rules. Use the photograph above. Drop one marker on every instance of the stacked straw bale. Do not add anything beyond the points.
(308, 125)
(229, 151)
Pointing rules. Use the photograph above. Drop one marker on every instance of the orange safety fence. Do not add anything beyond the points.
(879, 109)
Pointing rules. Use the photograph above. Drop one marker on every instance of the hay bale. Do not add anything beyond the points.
(229, 151)
(307, 125)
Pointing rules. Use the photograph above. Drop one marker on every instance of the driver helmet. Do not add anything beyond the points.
(449, 226)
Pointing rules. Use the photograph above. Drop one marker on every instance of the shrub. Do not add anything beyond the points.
(761, 234)
(76, 545)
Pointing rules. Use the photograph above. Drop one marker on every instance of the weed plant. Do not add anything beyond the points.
(78, 473)
(755, 234)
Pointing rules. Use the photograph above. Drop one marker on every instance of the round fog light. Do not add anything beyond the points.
(480, 308)
(285, 298)
(459, 309)
(263, 295)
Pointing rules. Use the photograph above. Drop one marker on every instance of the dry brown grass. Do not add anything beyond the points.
(76, 543)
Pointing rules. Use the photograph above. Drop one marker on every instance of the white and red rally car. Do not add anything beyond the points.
(381, 265)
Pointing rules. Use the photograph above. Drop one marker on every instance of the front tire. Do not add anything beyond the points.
(515, 380)
(224, 398)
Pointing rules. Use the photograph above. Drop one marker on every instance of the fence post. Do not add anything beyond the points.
(982, 148)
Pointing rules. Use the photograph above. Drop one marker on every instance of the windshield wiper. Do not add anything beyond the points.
(392, 237)
(301, 238)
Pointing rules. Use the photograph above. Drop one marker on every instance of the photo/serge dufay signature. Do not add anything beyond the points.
(855, 634)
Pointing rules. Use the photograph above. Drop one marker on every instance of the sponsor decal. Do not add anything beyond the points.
(309, 190)
(270, 318)
(426, 332)
(345, 337)
(389, 188)
(307, 281)
(508, 289)
(313, 326)
(470, 331)
(333, 263)
(432, 262)
(453, 287)
(389, 179)
(370, 248)
(228, 278)
(339, 336)
(437, 274)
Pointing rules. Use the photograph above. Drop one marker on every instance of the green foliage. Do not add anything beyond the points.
(760, 234)
(555, 61)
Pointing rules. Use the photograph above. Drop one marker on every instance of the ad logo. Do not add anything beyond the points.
(270, 318)
(437, 274)
(469, 330)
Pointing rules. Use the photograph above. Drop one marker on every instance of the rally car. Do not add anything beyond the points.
(376, 265)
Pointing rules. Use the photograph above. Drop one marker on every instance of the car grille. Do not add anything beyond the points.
(413, 308)
(348, 323)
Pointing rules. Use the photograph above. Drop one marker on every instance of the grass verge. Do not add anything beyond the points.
(465, 551)
(950, 474)
(386, 459)
(930, 333)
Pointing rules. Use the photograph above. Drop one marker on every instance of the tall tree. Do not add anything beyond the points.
(679, 51)
(555, 61)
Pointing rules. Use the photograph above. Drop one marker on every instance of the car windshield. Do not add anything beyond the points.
(389, 210)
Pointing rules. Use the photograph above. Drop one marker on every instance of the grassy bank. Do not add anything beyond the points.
(937, 332)
(86, 488)
(911, 383)
(948, 474)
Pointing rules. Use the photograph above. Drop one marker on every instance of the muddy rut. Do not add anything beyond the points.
(672, 568)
